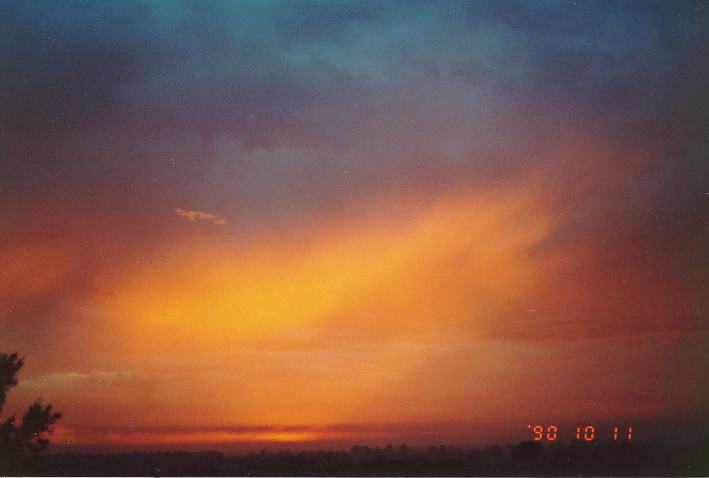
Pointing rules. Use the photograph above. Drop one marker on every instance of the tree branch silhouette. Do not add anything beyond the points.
(19, 443)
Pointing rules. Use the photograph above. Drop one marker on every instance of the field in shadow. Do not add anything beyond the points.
(526, 458)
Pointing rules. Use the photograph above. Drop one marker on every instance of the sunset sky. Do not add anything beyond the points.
(265, 224)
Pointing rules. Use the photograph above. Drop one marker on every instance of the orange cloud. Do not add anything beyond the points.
(330, 316)
(456, 260)
(450, 314)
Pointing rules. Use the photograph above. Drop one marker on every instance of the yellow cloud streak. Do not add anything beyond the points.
(218, 296)
(420, 282)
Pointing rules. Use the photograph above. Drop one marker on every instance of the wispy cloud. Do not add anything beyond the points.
(73, 379)
(201, 216)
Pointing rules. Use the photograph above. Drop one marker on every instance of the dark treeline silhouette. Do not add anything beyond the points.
(526, 458)
(21, 443)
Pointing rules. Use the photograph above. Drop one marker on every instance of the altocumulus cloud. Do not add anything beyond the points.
(201, 216)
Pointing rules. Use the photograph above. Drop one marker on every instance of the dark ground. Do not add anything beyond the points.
(527, 458)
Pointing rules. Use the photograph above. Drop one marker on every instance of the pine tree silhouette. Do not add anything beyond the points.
(21, 443)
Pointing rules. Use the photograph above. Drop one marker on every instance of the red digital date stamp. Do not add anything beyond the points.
(585, 432)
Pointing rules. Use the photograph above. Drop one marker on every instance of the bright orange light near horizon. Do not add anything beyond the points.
(138, 438)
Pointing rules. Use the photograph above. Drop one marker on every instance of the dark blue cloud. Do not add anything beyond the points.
(99, 97)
